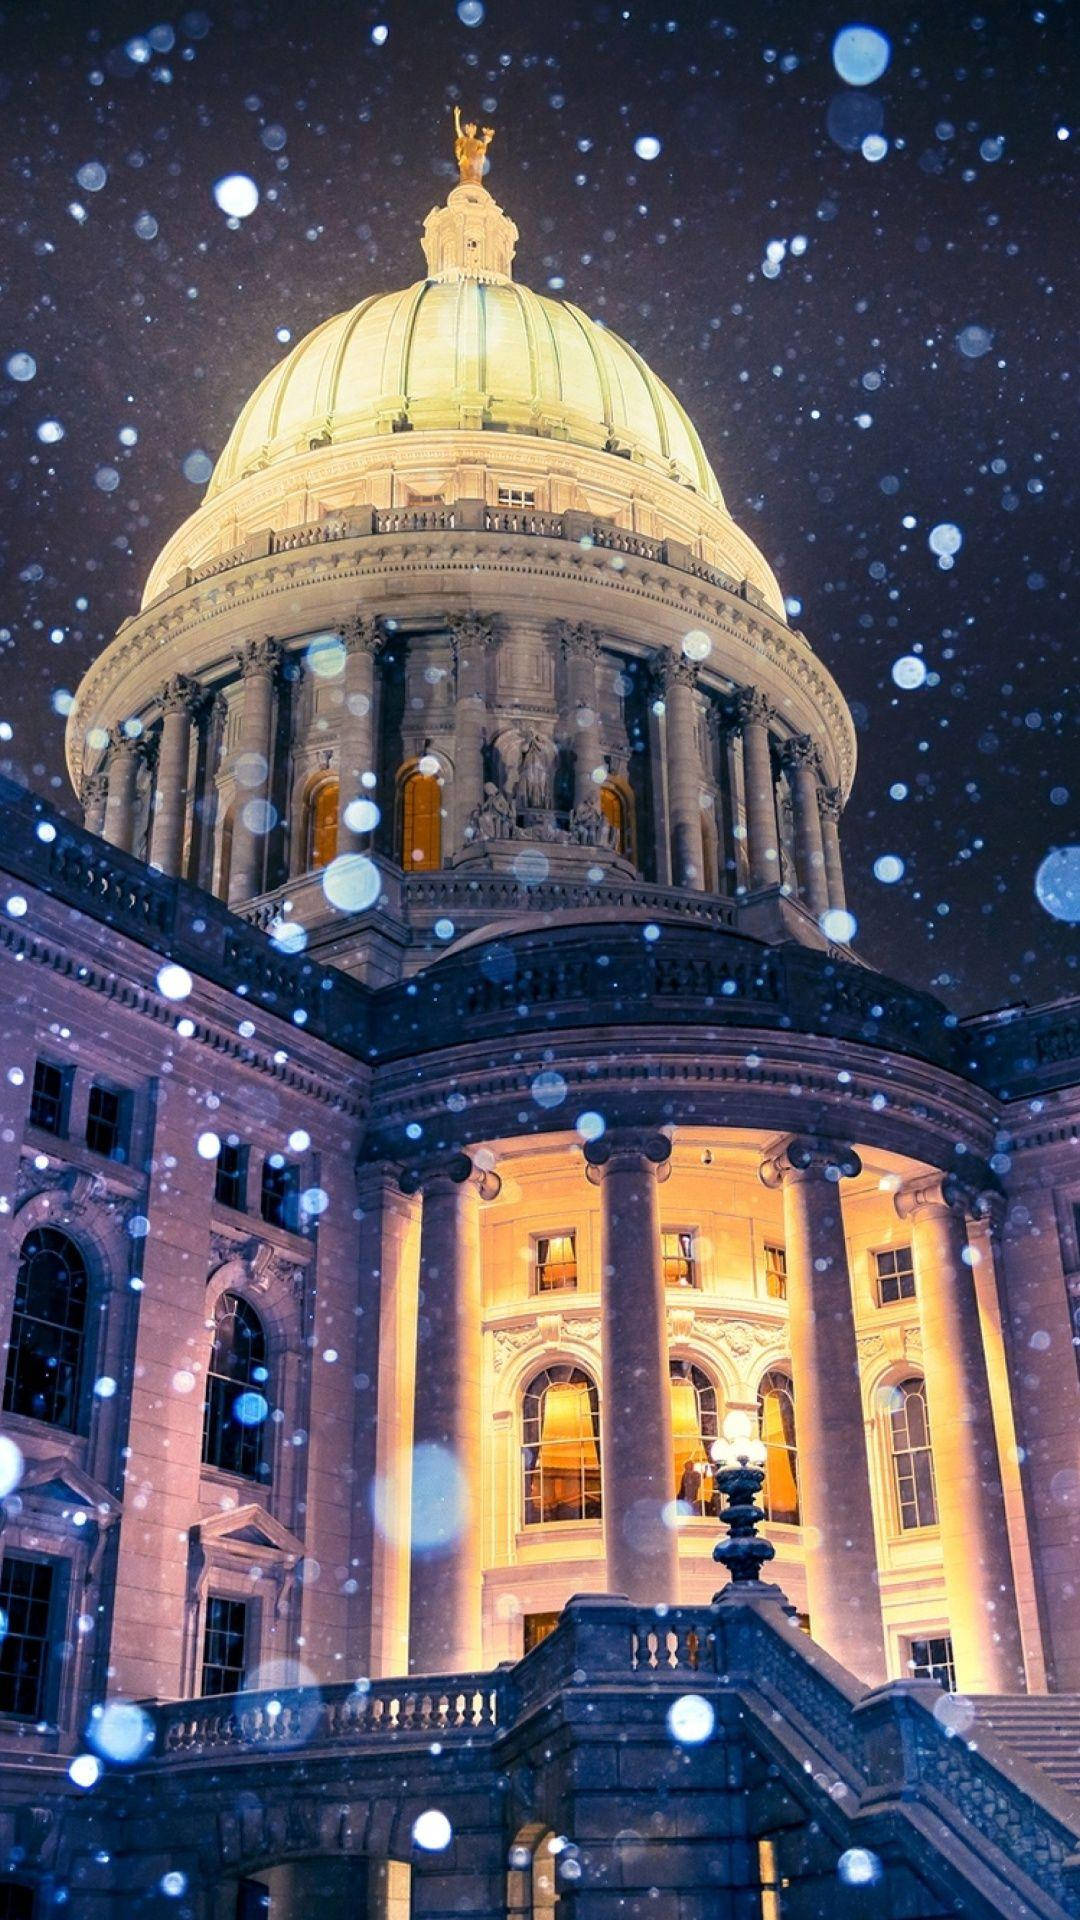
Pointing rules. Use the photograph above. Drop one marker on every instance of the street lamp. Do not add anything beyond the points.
(740, 1471)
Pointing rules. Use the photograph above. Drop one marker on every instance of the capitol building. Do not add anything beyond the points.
(444, 1120)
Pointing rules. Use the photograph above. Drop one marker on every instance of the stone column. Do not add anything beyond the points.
(93, 794)
(123, 773)
(169, 816)
(362, 641)
(800, 758)
(979, 1585)
(678, 680)
(445, 1627)
(1041, 1345)
(635, 1399)
(753, 714)
(472, 635)
(211, 718)
(829, 808)
(251, 765)
(834, 1477)
(581, 651)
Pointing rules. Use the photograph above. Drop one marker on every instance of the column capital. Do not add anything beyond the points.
(627, 1147)
(805, 1157)
(260, 657)
(94, 787)
(799, 751)
(451, 1170)
(181, 694)
(672, 671)
(122, 742)
(579, 641)
(750, 708)
(936, 1195)
(830, 803)
(364, 634)
(472, 630)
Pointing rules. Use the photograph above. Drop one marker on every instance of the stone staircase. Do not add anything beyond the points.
(1043, 1728)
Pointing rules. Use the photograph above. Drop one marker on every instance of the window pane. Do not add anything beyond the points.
(561, 1447)
(324, 824)
(421, 823)
(26, 1588)
(932, 1659)
(776, 1272)
(104, 1122)
(237, 1383)
(280, 1191)
(913, 1460)
(677, 1252)
(694, 1426)
(776, 1418)
(230, 1175)
(556, 1262)
(224, 1645)
(44, 1360)
(47, 1099)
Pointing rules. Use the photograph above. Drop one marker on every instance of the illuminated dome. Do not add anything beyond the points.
(466, 353)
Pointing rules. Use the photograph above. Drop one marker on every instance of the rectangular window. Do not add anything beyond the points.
(225, 1635)
(555, 1262)
(281, 1194)
(517, 497)
(26, 1598)
(537, 1628)
(230, 1175)
(932, 1659)
(677, 1253)
(776, 1272)
(107, 1121)
(49, 1099)
(895, 1275)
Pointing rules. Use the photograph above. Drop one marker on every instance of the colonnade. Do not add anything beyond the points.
(749, 723)
(636, 1445)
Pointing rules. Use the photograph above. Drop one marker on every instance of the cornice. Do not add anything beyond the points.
(254, 586)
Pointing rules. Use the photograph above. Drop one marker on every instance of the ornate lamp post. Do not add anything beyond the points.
(740, 1471)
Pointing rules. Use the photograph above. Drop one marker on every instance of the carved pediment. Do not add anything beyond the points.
(62, 1483)
(247, 1526)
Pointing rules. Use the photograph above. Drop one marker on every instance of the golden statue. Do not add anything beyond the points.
(470, 152)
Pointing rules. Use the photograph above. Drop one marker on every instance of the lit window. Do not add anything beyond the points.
(44, 1363)
(537, 1627)
(517, 497)
(26, 1601)
(561, 1447)
(932, 1659)
(236, 1404)
(280, 1196)
(107, 1121)
(694, 1428)
(323, 811)
(225, 1634)
(421, 822)
(913, 1461)
(776, 1272)
(555, 1262)
(49, 1098)
(895, 1275)
(776, 1418)
(677, 1253)
(230, 1174)
(617, 807)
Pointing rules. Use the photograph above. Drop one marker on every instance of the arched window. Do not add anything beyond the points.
(48, 1327)
(421, 822)
(322, 824)
(693, 1429)
(236, 1392)
(561, 1447)
(617, 807)
(913, 1461)
(776, 1418)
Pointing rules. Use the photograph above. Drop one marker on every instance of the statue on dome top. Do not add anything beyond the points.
(470, 149)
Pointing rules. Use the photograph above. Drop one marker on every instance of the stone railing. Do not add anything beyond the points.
(285, 1717)
(477, 897)
(174, 920)
(473, 516)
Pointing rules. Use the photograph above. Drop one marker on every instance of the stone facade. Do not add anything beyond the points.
(438, 1091)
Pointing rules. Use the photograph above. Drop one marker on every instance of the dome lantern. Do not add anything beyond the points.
(470, 238)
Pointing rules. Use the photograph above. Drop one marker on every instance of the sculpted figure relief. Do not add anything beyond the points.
(492, 818)
(590, 826)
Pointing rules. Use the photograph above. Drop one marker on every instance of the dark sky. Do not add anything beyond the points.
(835, 398)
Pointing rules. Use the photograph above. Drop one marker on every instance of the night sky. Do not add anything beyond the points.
(910, 364)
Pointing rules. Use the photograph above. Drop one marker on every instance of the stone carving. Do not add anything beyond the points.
(181, 695)
(580, 642)
(549, 1329)
(532, 779)
(913, 1344)
(363, 635)
(510, 1341)
(741, 1336)
(470, 149)
(871, 1346)
(492, 818)
(260, 656)
(830, 803)
(590, 826)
